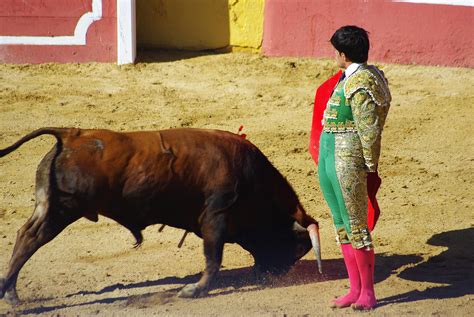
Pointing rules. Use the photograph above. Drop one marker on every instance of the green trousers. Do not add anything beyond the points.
(330, 186)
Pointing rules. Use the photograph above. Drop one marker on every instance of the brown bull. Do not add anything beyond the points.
(212, 183)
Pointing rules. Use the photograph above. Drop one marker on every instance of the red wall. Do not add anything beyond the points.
(399, 32)
(57, 18)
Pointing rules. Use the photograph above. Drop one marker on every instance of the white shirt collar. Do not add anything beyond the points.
(351, 69)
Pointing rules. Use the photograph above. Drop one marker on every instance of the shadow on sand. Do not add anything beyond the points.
(147, 56)
(453, 267)
(231, 281)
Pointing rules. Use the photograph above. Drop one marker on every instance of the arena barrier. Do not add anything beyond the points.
(435, 32)
(430, 32)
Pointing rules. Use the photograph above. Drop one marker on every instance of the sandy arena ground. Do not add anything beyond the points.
(424, 263)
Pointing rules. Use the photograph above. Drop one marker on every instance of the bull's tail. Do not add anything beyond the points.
(59, 133)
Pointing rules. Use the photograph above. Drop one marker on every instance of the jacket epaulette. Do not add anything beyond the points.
(373, 81)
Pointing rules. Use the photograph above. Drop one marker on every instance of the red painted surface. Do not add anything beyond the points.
(57, 18)
(37, 26)
(399, 32)
(51, 8)
(41, 18)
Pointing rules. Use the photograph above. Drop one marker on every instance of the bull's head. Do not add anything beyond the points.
(280, 249)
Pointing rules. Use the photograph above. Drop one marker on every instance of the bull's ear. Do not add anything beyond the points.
(299, 228)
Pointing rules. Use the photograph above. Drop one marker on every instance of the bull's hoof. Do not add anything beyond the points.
(11, 297)
(192, 291)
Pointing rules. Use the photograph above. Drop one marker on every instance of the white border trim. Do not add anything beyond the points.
(466, 3)
(79, 37)
(126, 32)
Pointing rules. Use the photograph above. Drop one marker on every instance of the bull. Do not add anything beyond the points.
(213, 183)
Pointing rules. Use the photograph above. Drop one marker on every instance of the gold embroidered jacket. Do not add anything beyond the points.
(369, 97)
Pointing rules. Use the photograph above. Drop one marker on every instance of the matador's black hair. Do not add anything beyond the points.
(353, 41)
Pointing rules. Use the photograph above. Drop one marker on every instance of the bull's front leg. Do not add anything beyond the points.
(213, 231)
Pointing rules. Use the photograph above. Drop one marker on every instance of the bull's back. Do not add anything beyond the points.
(167, 172)
(102, 161)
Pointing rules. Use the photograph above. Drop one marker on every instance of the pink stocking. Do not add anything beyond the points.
(365, 263)
(354, 279)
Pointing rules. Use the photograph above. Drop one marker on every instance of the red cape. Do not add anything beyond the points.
(323, 93)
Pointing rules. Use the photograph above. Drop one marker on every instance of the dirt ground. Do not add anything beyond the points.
(424, 261)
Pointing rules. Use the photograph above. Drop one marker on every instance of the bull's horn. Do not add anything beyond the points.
(298, 228)
(315, 241)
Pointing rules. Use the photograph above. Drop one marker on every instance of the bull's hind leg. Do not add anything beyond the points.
(42, 227)
(11, 296)
(213, 230)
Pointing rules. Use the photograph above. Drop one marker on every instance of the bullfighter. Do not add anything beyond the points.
(349, 135)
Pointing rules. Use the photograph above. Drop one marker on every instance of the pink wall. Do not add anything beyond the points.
(40, 18)
(399, 32)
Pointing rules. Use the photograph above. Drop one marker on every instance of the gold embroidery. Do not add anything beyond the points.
(370, 120)
(361, 239)
(335, 100)
(330, 114)
(371, 79)
(341, 236)
(352, 177)
(350, 125)
(339, 127)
